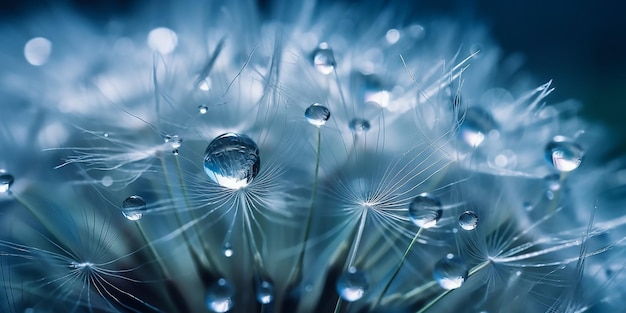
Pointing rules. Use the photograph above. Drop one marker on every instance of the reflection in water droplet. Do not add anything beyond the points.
(162, 40)
(450, 272)
(425, 210)
(317, 114)
(220, 296)
(133, 208)
(564, 154)
(352, 285)
(468, 220)
(232, 160)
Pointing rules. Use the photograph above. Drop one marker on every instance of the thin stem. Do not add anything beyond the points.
(338, 306)
(357, 239)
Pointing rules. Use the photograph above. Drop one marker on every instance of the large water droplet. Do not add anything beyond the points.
(352, 285)
(468, 220)
(359, 125)
(450, 272)
(317, 114)
(219, 296)
(425, 210)
(6, 181)
(265, 292)
(133, 208)
(232, 160)
(564, 154)
(476, 123)
(324, 59)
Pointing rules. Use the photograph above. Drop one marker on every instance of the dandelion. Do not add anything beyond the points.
(304, 157)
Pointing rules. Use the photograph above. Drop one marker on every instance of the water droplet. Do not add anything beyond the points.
(219, 296)
(527, 206)
(450, 272)
(352, 285)
(6, 181)
(374, 91)
(359, 125)
(107, 181)
(203, 109)
(553, 181)
(163, 40)
(174, 141)
(205, 84)
(265, 292)
(37, 51)
(468, 220)
(133, 208)
(227, 249)
(425, 210)
(564, 154)
(106, 135)
(392, 36)
(476, 123)
(232, 160)
(324, 59)
(317, 114)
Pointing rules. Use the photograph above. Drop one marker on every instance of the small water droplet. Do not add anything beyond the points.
(425, 210)
(133, 208)
(203, 109)
(232, 160)
(227, 249)
(106, 135)
(324, 59)
(205, 84)
(6, 181)
(468, 220)
(317, 114)
(476, 123)
(450, 272)
(265, 292)
(107, 181)
(550, 195)
(220, 296)
(352, 285)
(564, 154)
(392, 36)
(359, 125)
(527, 206)
(374, 91)
(174, 141)
(553, 181)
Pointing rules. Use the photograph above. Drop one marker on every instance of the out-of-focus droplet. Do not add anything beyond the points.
(450, 272)
(552, 181)
(359, 126)
(162, 40)
(352, 285)
(133, 208)
(374, 91)
(203, 109)
(37, 51)
(425, 210)
(392, 36)
(205, 84)
(468, 220)
(232, 160)
(6, 181)
(324, 59)
(564, 154)
(227, 249)
(476, 123)
(220, 296)
(317, 114)
(265, 292)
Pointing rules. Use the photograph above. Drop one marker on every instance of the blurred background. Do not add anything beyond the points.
(580, 44)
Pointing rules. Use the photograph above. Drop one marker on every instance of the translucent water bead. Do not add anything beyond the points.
(359, 126)
(175, 142)
(425, 210)
(133, 208)
(6, 180)
(468, 220)
(317, 114)
(450, 272)
(265, 292)
(564, 154)
(352, 285)
(232, 160)
(220, 296)
(324, 59)
(476, 124)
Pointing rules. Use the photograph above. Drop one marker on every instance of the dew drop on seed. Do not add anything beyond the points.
(203, 109)
(174, 140)
(425, 210)
(468, 220)
(553, 182)
(232, 160)
(352, 285)
(564, 154)
(359, 126)
(265, 292)
(6, 181)
(219, 296)
(133, 208)
(476, 123)
(324, 59)
(317, 114)
(450, 272)
(227, 249)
